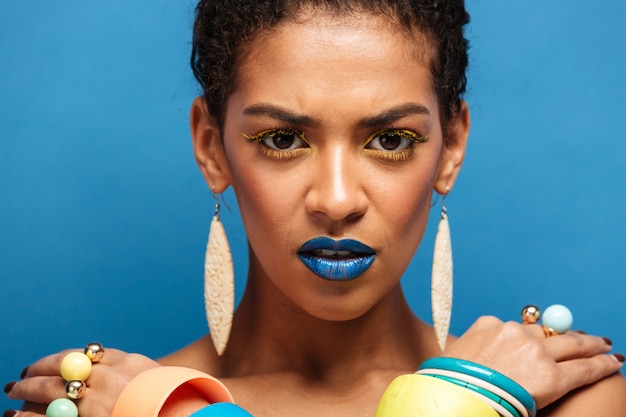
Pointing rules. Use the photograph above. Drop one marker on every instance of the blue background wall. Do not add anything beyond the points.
(104, 215)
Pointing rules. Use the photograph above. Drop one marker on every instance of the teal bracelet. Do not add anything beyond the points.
(485, 385)
(505, 409)
(489, 375)
(221, 410)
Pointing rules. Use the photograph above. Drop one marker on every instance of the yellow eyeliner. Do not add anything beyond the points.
(270, 133)
(409, 134)
(395, 156)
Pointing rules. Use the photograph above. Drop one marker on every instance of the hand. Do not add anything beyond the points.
(548, 368)
(42, 383)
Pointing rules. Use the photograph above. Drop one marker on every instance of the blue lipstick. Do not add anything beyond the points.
(336, 260)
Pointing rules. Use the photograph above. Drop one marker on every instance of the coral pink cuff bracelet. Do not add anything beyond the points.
(146, 394)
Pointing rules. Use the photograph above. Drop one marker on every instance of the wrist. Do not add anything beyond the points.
(147, 393)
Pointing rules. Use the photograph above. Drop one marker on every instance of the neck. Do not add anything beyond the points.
(273, 335)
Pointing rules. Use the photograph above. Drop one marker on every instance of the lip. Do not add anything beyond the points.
(336, 260)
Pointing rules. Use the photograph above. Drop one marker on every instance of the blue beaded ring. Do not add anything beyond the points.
(557, 319)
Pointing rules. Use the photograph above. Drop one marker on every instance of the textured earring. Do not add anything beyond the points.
(441, 290)
(219, 284)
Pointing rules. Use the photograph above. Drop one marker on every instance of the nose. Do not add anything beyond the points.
(337, 192)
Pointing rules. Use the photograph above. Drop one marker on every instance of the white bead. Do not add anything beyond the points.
(558, 318)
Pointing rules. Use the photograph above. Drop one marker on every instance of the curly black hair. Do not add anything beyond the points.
(223, 29)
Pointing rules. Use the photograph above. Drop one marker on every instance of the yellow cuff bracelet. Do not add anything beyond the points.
(424, 396)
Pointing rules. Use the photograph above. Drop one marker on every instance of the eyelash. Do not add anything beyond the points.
(396, 156)
(271, 133)
(390, 155)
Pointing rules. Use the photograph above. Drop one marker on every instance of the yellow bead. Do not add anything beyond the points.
(75, 366)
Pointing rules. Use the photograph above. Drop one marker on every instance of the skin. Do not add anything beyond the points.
(304, 346)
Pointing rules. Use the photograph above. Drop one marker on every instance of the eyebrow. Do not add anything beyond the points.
(385, 118)
(393, 114)
(280, 114)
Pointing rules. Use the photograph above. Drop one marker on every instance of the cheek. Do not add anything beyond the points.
(405, 207)
(407, 191)
(267, 201)
(412, 211)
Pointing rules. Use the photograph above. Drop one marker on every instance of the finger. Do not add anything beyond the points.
(47, 366)
(38, 389)
(585, 371)
(26, 414)
(33, 409)
(573, 345)
(27, 410)
(535, 330)
(577, 373)
(50, 365)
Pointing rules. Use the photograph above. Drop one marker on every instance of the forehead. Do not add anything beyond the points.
(310, 27)
(318, 52)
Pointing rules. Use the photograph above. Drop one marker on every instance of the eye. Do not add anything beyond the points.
(283, 144)
(280, 139)
(393, 140)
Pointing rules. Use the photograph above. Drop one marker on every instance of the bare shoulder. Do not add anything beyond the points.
(606, 397)
(196, 355)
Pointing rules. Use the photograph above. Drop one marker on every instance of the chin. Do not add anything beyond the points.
(340, 308)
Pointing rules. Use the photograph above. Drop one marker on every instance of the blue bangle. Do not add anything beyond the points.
(482, 392)
(221, 410)
(473, 369)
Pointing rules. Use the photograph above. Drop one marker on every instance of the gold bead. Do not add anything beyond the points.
(94, 351)
(75, 389)
(530, 314)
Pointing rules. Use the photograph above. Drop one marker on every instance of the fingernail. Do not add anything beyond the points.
(607, 341)
(9, 413)
(580, 331)
(8, 387)
(23, 374)
(619, 357)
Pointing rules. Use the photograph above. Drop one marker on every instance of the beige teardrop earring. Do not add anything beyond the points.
(441, 290)
(219, 284)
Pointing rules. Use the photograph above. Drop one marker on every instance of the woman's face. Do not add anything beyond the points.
(333, 144)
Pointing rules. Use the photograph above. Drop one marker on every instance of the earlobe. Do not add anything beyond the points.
(208, 147)
(453, 151)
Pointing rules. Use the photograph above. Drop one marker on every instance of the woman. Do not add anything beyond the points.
(334, 122)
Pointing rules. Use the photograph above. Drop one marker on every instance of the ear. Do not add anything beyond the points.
(208, 147)
(453, 150)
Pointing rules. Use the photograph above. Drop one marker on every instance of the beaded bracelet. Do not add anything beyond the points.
(75, 369)
(486, 378)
